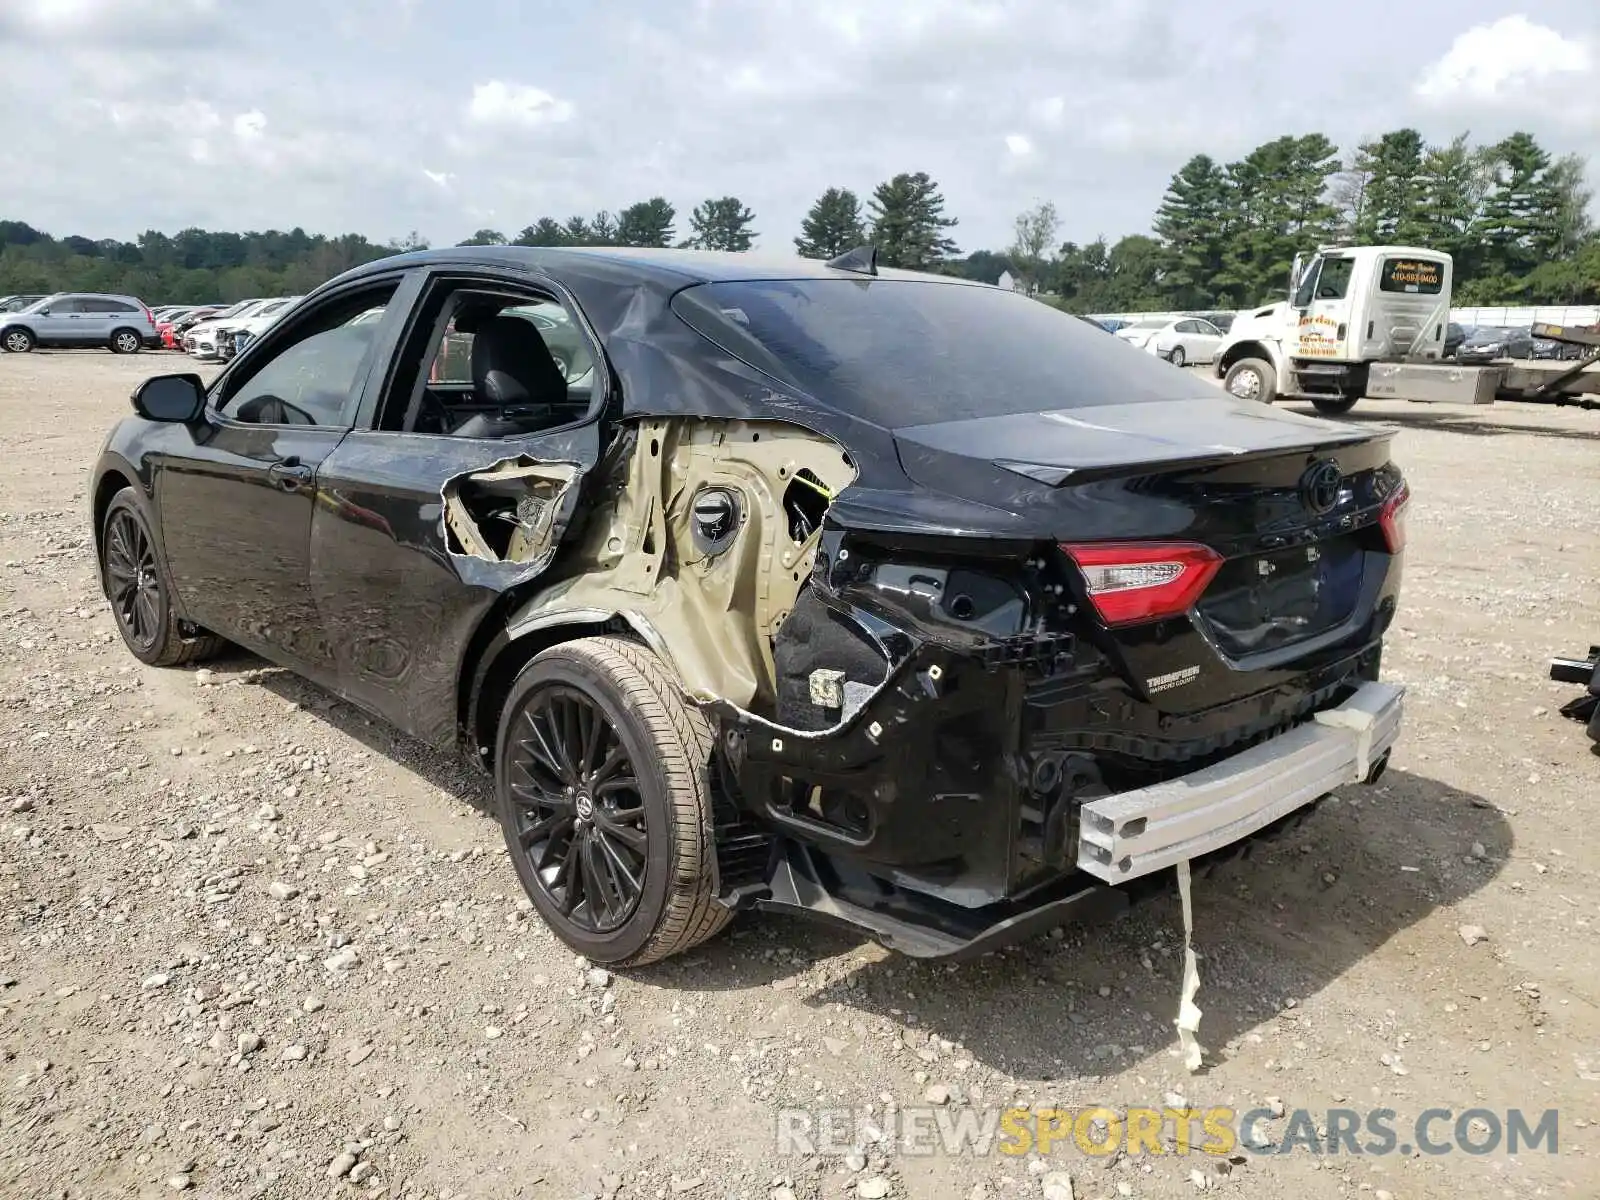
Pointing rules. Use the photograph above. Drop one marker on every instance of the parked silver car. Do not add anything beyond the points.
(121, 324)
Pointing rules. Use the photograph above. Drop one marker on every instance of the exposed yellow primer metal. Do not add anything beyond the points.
(713, 618)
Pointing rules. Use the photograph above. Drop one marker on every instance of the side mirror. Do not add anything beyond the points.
(176, 398)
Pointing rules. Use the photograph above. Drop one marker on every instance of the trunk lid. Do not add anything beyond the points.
(1291, 505)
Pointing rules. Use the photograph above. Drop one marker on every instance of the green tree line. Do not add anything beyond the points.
(1514, 217)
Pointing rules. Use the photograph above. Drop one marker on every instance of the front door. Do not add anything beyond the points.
(236, 509)
(1324, 303)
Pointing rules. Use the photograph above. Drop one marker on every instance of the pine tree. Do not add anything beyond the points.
(543, 232)
(721, 225)
(908, 222)
(648, 223)
(832, 226)
(1193, 223)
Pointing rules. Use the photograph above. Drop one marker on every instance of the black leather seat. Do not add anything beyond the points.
(512, 369)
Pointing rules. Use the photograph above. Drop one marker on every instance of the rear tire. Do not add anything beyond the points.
(1177, 357)
(1252, 379)
(126, 341)
(602, 782)
(136, 586)
(18, 341)
(1333, 406)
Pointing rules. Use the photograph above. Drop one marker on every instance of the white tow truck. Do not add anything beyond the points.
(1348, 308)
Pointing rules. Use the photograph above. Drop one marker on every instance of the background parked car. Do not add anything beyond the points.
(11, 304)
(1489, 342)
(172, 338)
(121, 324)
(1179, 340)
(234, 332)
(1454, 335)
(201, 340)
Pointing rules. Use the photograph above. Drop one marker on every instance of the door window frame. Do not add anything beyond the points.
(285, 334)
(470, 276)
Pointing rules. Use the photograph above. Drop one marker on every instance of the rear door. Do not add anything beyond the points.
(99, 317)
(236, 507)
(403, 572)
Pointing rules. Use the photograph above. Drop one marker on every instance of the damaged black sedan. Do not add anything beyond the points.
(898, 601)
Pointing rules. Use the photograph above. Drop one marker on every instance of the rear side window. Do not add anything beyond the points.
(901, 352)
(1417, 275)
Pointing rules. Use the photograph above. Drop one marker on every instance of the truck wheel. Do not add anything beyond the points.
(1333, 406)
(602, 782)
(1252, 379)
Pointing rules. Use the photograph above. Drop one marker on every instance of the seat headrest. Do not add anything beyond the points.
(512, 365)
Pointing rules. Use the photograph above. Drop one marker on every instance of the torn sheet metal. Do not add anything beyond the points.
(713, 616)
(1188, 1021)
(510, 513)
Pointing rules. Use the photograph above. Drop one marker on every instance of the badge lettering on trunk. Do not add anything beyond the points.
(1165, 683)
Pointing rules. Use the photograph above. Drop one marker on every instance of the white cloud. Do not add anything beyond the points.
(249, 126)
(1494, 61)
(1019, 144)
(439, 178)
(499, 103)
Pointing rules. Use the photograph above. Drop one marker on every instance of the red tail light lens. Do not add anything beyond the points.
(1143, 581)
(1392, 519)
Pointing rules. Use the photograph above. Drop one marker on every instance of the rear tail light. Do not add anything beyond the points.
(1392, 519)
(1143, 581)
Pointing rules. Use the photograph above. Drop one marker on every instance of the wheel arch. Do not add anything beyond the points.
(111, 480)
(1242, 350)
(502, 646)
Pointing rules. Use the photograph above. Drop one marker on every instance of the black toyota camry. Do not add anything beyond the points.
(903, 602)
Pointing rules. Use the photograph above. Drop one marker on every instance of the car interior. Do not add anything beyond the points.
(500, 366)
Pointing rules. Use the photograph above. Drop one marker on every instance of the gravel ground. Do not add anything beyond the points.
(255, 944)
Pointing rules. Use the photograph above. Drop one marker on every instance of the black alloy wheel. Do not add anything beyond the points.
(603, 785)
(131, 581)
(132, 578)
(580, 818)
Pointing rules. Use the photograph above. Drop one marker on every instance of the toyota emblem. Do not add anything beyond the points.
(1320, 485)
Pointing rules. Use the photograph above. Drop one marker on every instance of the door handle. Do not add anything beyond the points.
(289, 473)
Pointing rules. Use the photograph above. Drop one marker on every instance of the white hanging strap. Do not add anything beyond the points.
(1188, 1021)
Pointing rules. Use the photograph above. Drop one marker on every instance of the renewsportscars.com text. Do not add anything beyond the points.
(1101, 1131)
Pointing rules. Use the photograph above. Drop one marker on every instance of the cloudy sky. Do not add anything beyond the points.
(444, 116)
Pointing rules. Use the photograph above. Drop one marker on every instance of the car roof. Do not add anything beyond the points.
(673, 268)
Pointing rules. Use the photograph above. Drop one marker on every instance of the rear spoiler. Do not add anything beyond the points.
(1058, 474)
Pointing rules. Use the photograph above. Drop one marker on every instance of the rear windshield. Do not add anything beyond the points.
(903, 352)
(1418, 275)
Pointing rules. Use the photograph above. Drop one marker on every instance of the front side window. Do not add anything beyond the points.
(313, 377)
(65, 305)
(1333, 281)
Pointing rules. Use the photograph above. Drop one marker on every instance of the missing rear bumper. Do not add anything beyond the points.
(1132, 834)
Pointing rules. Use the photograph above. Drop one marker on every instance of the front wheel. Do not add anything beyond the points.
(133, 581)
(1252, 379)
(1177, 358)
(602, 781)
(18, 341)
(1333, 406)
(126, 341)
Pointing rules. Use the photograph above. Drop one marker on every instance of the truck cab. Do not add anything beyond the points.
(1348, 307)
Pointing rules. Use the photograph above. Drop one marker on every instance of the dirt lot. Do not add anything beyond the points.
(247, 931)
